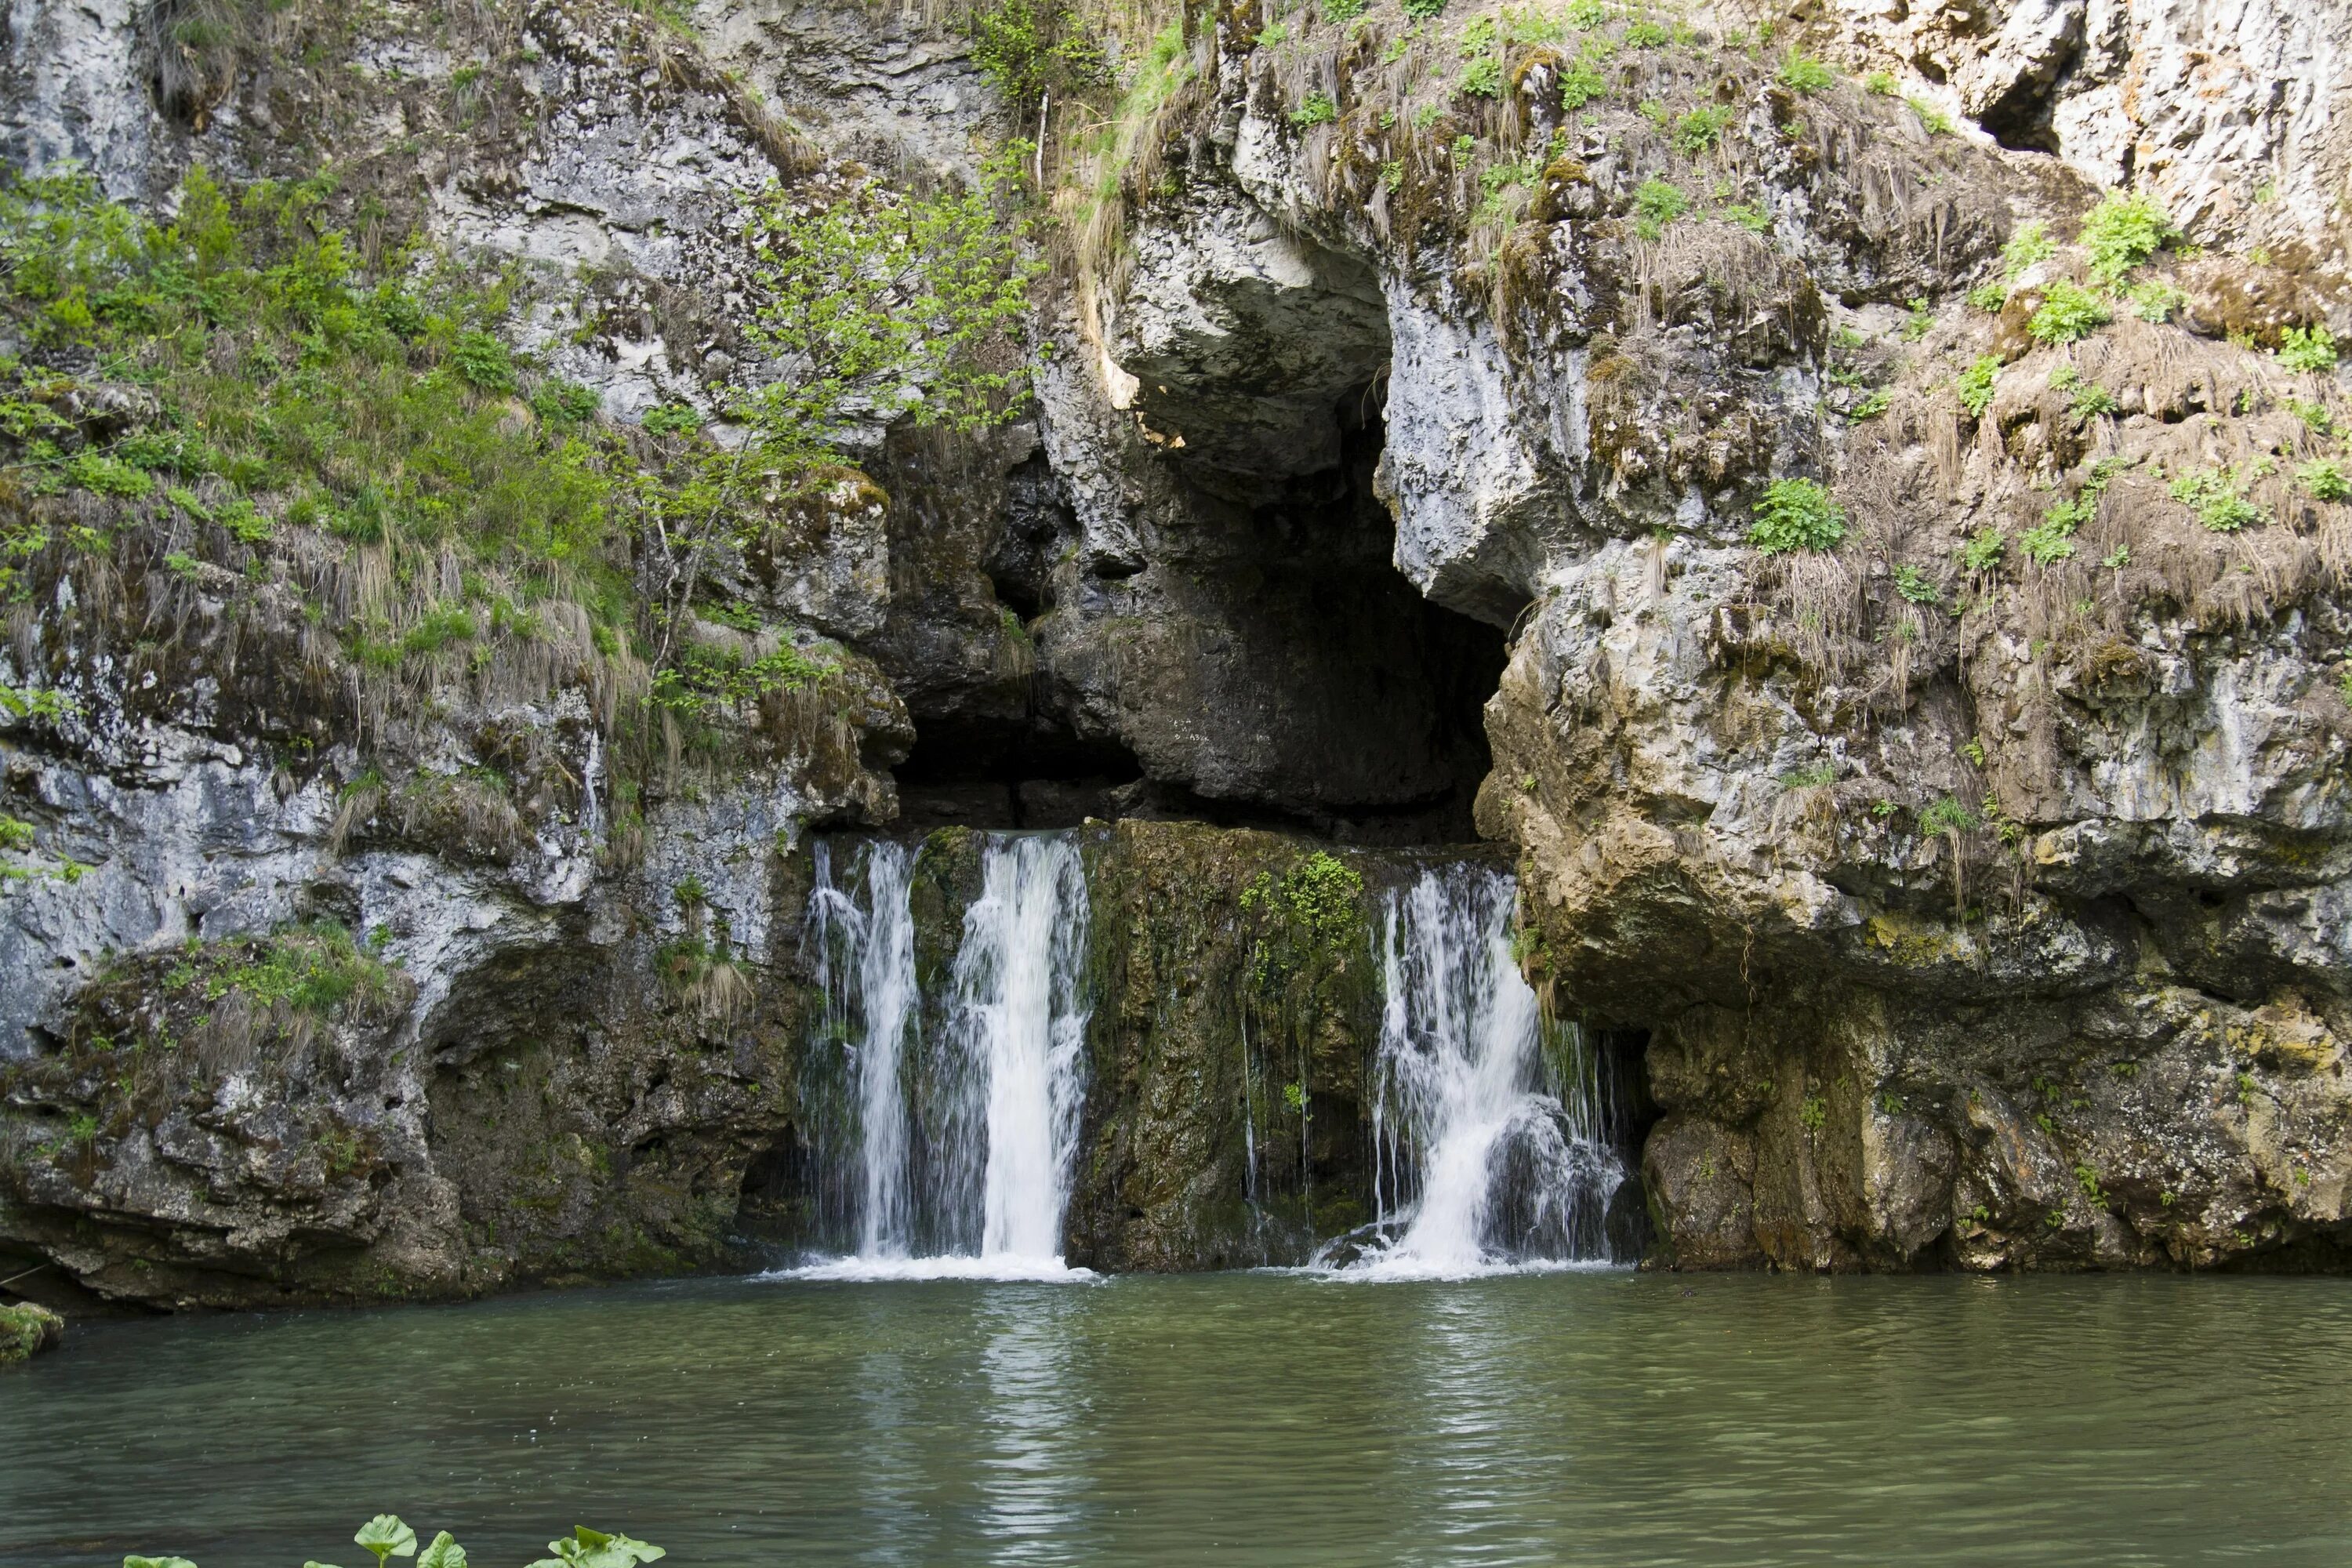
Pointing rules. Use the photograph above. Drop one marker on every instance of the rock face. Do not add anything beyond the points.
(1975, 891)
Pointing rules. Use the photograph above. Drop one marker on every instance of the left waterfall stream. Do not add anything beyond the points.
(943, 1138)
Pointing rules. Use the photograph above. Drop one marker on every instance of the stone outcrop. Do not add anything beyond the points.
(1397, 449)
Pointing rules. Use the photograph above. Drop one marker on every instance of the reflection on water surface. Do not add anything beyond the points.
(1584, 1418)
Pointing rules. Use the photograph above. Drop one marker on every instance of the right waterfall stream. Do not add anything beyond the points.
(1491, 1146)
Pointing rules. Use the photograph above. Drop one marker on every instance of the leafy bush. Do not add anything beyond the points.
(2307, 348)
(1699, 130)
(1318, 110)
(1947, 816)
(1984, 549)
(2122, 232)
(1796, 514)
(1988, 297)
(1657, 202)
(1754, 219)
(1581, 83)
(1483, 77)
(1913, 585)
(1932, 119)
(2154, 300)
(2218, 497)
(483, 361)
(1027, 48)
(1339, 13)
(1976, 383)
(2090, 401)
(2068, 313)
(2326, 480)
(2030, 244)
(2053, 539)
(1422, 10)
(1879, 84)
(1799, 73)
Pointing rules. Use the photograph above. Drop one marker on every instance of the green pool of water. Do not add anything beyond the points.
(1585, 1419)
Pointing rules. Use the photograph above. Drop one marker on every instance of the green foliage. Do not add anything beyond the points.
(1932, 119)
(1872, 406)
(1976, 384)
(2153, 301)
(2090, 401)
(482, 362)
(2068, 313)
(2122, 232)
(1796, 514)
(1699, 131)
(1657, 202)
(890, 302)
(1919, 322)
(2218, 497)
(1947, 816)
(2325, 480)
(2314, 415)
(386, 1537)
(1647, 35)
(1814, 1113)
(1879, 84)
(2053, 539)
(705, 682)
(1801, 73)
(1754, 219)
(2307, 348)
(1339, 13)
(1422, 10)
(1318, 110)
(310, 969)
(1913, 585)
(1293, 1097)
(1027, 48)
(1817, 776)
(2030, 244)
(1984, 549)
(1581, 83)
(671, 419)
(1483, 77)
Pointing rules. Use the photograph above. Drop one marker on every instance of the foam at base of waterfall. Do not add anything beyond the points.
(1401, 1268)
(1002, 1267)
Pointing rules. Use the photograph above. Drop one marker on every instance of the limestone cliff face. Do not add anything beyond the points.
(1978, 909)
(1982, 908)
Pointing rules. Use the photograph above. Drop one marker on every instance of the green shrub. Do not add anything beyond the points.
(2122, 232)
(2154, 300)
(483, 361)
(1799, 73)
(2068, 313)
(1947, 816)
(1932, 119)
(2030, 244)
(1647, 35)
(1984, 549)
(1879, 84)
(2218, 497)
(1339, 13)
(1913, 585)
(2053, 539)
(1318, 110)
(1580, 84)
(1422, 10)
(1796, 514)
(1754, 219)
(1657, 202)
(2326, 480)
(1027, 48)
(1976, 384)
(1483, 77)
(1699, 130)
(2307, 348)
(1988, 297)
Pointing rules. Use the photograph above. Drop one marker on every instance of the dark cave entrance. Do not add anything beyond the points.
(1288, 676)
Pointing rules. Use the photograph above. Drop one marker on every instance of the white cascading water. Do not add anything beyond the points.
(977, 1183)
(1488, 1154)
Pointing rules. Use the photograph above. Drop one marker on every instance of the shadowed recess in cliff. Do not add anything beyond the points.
(941, 1144)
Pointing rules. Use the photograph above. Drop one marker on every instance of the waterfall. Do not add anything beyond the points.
(971, 1176)
(1490, 1143)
